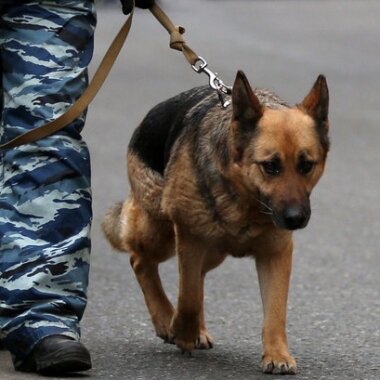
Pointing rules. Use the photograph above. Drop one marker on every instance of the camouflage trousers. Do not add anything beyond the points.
(45, 195)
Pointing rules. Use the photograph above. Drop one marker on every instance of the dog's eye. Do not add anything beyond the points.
(305, 167)
(272, 168)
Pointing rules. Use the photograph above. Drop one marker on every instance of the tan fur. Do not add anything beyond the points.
(167, 215)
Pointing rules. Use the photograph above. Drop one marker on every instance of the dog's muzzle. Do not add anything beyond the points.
(292, 217)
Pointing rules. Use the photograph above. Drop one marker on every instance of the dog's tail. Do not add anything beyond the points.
(111, 226)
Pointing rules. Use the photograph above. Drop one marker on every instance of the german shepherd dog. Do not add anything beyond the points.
(208, 182)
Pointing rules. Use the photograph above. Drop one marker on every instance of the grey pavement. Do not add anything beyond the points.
(334, 305)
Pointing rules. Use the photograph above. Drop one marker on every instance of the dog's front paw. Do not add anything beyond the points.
(187, 334)
(185, 331)
(185, 346)
(278, 363)
(204, 341)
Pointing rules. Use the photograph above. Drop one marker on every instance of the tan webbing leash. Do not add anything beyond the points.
(176, 42)
(198, 63)
(82, 102)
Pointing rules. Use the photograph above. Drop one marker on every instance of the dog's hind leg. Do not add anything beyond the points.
(159, 306)
(151, 242)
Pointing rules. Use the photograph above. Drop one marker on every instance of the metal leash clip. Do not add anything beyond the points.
(200, 66)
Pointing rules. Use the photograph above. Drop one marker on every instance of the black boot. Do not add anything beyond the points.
(57, 355)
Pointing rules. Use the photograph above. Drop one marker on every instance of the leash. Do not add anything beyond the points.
(177, 42)
(198, 63)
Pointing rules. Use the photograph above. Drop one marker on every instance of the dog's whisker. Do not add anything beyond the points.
(318, 208)
(265, 205)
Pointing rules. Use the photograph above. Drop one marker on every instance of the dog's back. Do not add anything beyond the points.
(154, 137)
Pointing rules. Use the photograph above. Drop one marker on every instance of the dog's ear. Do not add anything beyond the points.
(245, 104)
(316, 102)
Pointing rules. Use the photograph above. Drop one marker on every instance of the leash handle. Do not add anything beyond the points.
(177, 42)
(198, 63)
(85, 99)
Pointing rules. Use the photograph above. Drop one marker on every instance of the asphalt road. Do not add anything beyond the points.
(334, 305)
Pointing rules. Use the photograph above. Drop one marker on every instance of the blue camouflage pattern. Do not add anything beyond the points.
(45, 195)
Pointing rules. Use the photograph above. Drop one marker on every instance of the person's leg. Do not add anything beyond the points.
(45, 197)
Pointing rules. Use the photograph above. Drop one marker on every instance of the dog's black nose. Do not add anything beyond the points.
(295, 217)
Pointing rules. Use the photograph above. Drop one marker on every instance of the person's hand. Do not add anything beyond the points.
(144, 4)
(128, 5)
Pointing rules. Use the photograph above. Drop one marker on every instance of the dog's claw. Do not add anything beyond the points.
(204, 341)
(279, 365)
(269, 368)
(167, 340)
(184, 352)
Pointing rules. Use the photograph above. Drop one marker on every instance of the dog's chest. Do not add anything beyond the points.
(240, 241)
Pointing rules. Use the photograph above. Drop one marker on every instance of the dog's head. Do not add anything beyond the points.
(280, 151)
